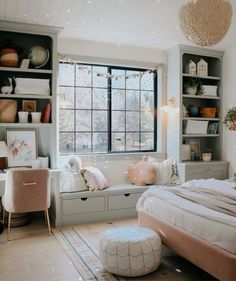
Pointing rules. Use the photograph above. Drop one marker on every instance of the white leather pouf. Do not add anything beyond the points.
(130, 251)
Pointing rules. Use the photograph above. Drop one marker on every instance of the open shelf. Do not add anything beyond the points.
(201, 119)
(200, 135)
(25, 125)
(200, 97)
(26, 96)
(202, 77)
(29, 70)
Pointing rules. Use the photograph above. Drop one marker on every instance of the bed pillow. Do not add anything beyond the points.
(94, 178)
(142, 173)
(166, 171)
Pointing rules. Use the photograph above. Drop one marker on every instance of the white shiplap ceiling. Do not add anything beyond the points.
(143, 23)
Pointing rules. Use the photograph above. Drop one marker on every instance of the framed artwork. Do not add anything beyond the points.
(195, 149)
(22, 146)
(29, 105)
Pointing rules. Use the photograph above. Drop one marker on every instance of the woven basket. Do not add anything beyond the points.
(8, 109)
(205, 22)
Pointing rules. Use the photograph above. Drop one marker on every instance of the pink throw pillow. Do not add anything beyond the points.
(142, 173)
(94, 178)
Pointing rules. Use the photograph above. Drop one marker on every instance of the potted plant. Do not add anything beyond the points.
(207, 154)
(193, 86)
(230, 119)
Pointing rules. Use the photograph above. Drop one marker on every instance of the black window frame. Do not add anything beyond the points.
(109, 109)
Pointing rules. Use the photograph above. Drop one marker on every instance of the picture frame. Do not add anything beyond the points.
(22, 145)
(29, 105)
(195, 149)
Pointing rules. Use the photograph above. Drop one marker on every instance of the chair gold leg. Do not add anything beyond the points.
(48, 222)
(9, 226)
(3, 215)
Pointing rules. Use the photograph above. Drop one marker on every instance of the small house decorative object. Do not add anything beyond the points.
(230, 119)
(191, 68)
(202, 68)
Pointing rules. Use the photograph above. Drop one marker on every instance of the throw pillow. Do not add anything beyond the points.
(142, 173)
(94, 178)
(166, 171)
(71, 179)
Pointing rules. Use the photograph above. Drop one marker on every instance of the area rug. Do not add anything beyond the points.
(85, 258)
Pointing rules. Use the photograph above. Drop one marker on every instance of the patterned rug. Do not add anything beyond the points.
(85, 258)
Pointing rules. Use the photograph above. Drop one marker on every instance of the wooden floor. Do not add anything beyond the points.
(33, 255)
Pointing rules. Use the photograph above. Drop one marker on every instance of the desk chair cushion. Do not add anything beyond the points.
(26, 190)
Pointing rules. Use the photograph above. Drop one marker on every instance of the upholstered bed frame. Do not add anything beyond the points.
(217, 262)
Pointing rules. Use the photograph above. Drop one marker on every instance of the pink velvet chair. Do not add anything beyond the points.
(26, 190)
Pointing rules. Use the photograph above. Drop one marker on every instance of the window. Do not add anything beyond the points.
(99, 114)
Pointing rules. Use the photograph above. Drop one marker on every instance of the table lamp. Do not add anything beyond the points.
(3, 154)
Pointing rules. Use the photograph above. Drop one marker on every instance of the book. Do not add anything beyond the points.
(47, 113)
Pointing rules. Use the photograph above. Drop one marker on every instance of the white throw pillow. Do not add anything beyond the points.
(71, 179)
(166, 171)
(94, 178)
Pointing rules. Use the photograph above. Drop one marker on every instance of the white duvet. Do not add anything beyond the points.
(210, 225)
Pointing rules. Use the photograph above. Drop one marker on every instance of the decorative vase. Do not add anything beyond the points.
(9, 58)
(36, 117)
(23, 116)
(8, 109)
(193, 111)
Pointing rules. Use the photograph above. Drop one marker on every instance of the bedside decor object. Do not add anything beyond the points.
(202, 68)
(7, 87)
(29, 105)
(230, 119)
(3, 154)
(38, 56)
(22, 146)
(208, 112)
(191, 68)
(8, 109)
(23, 116)
(195, 150)
(130, 251)
(9, 57)
(205, 22)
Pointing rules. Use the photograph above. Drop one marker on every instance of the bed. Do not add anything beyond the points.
(204, 236)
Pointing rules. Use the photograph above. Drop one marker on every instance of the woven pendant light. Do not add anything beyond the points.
(205, 22)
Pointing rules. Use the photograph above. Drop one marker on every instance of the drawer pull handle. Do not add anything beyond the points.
(29, 183)
(127, 194)
(84, 198)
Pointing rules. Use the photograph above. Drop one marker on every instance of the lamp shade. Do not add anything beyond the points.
(3, 149)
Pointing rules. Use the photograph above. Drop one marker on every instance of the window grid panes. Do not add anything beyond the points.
(102, 115)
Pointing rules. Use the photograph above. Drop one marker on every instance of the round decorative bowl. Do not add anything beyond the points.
(208, 112)
(38, 56)
(206, 156)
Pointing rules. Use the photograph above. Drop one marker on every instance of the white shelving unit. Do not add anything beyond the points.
(177, 59)
(25, 36)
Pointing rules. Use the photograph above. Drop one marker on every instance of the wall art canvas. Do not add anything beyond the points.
(22, 145)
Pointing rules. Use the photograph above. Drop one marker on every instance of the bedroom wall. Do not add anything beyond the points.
(229, 137)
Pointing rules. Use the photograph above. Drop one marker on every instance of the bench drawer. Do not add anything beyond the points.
(83, 205)
(123, 201)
